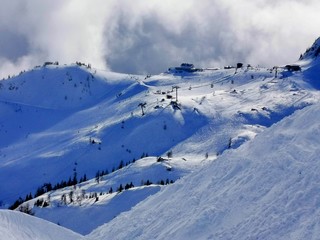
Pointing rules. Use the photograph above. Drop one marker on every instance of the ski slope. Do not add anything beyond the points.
(266, 189)
(170, 137)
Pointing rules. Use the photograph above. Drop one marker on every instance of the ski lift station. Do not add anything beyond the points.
(185, 67)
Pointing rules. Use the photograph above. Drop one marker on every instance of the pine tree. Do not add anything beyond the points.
(120, 165)
(16, 204)
(28, 197)
(71, 196)
(74, 180)
(64, 199)
(69, 183)
(26, 209)
(98, 176)
(120, 189)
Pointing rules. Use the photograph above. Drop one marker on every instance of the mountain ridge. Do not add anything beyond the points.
(312, 52)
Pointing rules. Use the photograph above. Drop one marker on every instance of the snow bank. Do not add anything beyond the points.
(16, 226)
(266, 189)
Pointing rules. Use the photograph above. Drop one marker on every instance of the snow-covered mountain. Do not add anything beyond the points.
(82, 146)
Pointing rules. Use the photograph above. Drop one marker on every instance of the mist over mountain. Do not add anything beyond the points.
(147, 37)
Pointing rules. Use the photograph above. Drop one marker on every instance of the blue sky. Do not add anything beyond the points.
(148, 36)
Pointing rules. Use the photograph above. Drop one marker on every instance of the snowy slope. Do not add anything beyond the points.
(91, 214)
(217, 110)
(60, 123)
(266, 189)
(18, 226)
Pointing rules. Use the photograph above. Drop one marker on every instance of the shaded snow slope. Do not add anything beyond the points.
(266, 189)
(311, 73)
(18, 226)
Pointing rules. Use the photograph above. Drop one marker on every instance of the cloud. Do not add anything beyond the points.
(51, 31)
(150, 36)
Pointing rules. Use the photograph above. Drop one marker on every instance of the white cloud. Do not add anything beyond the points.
(149, 36)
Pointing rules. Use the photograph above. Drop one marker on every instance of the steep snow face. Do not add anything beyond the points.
(312, 52)
(266, 189)
(17, 226)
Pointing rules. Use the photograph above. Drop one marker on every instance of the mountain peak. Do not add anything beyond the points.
(312, 52)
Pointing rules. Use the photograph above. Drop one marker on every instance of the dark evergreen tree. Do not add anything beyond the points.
(98, 176)
(28, 197)
(69, 183)
(26, 209)
(120, 165)
(71, 196)
(148, 183)
(45, 204)
(230, 143)
(63, 184)
(16, 203)
(120, 189)
(39, 202)
(39, 192)
(47, 187)
(74, 180)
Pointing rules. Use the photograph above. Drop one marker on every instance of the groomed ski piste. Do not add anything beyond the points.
(212, 154)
